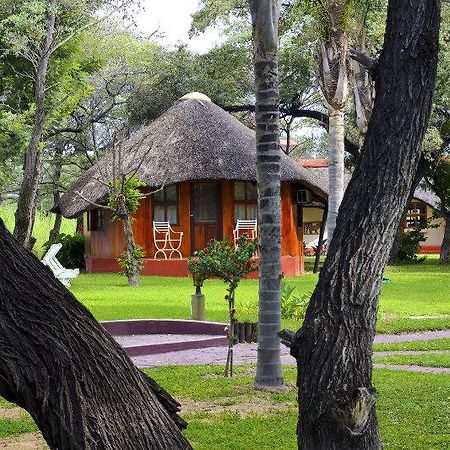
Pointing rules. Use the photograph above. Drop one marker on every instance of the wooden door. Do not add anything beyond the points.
(206, 214)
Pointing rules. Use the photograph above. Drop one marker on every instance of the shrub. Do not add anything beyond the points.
(292, 306)
(410, 240)
(125, 262)
(71, 255)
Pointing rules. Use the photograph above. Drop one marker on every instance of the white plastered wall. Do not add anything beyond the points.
(311, 215)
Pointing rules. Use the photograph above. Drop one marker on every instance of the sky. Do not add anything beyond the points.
(173, 19)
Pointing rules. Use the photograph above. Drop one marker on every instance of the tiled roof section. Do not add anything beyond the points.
(314, 163)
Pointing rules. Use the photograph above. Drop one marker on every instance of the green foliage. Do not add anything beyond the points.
(127, 189)
(71, 255)
(222, 259)
(125, 259)
(410, 240)
(292, 306)
(42, 225)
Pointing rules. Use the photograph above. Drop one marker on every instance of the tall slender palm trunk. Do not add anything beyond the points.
(335, 168)
(265, 15)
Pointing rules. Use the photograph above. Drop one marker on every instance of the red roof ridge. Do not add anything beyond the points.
(315, 163)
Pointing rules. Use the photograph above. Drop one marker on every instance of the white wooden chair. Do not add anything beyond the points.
(248, 227)
(166, 240)
(62, 274)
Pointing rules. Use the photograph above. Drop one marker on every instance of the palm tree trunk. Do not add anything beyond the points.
(334, 346)
(335, 168)
(265, 15)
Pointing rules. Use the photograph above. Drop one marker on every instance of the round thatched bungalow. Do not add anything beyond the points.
(205, 160)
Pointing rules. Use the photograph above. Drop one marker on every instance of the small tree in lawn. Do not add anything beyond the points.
(223, 259)
(124, 197)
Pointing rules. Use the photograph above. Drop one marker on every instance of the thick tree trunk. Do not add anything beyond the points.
(28, 196)
(60, 365)
(133, 263)
(54, 232)
(265, 15)
(444, 257)
(335, 168)
(334, 346)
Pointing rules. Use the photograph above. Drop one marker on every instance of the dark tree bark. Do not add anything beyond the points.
(60, 365)
(27, 203)
(265, 14)
(444, 257)
(57, 169)
(334, 346)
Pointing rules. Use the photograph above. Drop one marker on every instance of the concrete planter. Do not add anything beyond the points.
(198, 311)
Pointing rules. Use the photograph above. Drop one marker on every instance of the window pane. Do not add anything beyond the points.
(171, 193)
(239, 190)
(252, 192)
(239, 212)
(158, 196)
(172, 214)
(205, 202)
(158, 214)
(252, 211)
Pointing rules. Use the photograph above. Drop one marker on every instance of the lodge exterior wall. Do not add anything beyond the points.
(103, 246)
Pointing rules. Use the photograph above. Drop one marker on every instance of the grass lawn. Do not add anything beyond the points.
(432, 344)
(43, 225)
(431, 360)
(417, 298)
(224, 413)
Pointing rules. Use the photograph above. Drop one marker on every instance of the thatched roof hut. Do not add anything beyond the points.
(193, 140)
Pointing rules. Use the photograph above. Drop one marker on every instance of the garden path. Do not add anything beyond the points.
(247, 353)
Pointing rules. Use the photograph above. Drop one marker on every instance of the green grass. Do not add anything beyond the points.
(227, 413)
(432, 344)
(413, 409)
(12, 427)
(414, 290)
(43, 225)
(424, 360)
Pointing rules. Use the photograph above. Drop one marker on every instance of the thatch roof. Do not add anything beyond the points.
(318, 171)
(193, 140)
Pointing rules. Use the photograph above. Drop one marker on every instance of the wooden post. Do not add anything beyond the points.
(321, 233)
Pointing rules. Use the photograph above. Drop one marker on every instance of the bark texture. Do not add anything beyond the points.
(444, 257)
(265, 15)
(133, 262)
(335, 169)
(57, 169)
(60, 365)
(28, 196)
(334, 346)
